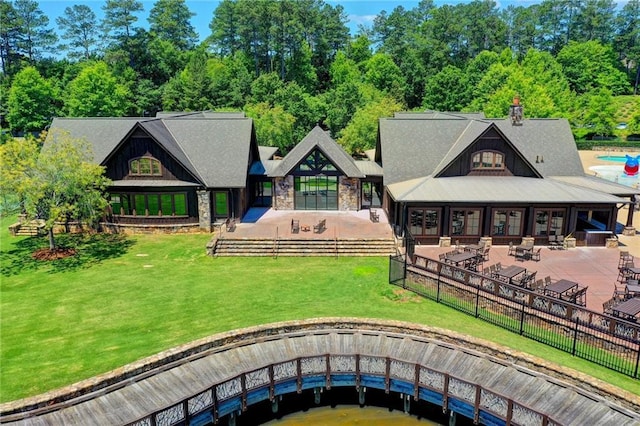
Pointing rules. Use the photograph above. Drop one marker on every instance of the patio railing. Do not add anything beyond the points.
(600, 338)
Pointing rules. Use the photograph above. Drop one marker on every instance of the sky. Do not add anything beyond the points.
(359, 12)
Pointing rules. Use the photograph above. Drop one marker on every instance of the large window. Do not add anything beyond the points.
(549, 222)
(371, 194)
(174, 204)
(221, 204)
(491, 160)
(316, 192)
(507, 222)
(424, 221)
(465, 222)
(145, 166)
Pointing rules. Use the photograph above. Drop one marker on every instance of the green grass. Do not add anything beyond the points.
(122, 299)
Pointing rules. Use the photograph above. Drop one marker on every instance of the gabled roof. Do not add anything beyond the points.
(104, 134)
(418, 145)
(318, 139)
(491, 189)
(216, 151)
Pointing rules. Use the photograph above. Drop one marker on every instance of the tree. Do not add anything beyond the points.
(80, 27)
(31, 101)
(9, 32)
(34, 36)
(95, 92)
(628, 40)
(60, 183)
(599, 112)
(360, 134)
(447, 90)
(385, 76)
(590, 65)
(119, 17)
(274, 126)
(169, 20)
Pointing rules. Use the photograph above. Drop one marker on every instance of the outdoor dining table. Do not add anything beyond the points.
(474, 248)
(560, 288)
(460, 258)
(635, 272)
(629, 309)
(510, 272)
(524, 251)
(633, 290)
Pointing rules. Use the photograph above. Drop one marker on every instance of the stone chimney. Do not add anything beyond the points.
(515, 112)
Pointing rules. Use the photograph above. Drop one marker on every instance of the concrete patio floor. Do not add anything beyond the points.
(269, 223)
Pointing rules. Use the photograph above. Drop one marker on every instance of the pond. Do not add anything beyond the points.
(349, 415)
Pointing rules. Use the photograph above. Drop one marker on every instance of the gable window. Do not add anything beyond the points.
(145, 166)
(487, 160)
(315, 163)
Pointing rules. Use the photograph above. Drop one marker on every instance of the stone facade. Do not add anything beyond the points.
(348, 194)
(204, 210)
(283, 193)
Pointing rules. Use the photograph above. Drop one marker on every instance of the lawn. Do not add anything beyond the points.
(121, 299)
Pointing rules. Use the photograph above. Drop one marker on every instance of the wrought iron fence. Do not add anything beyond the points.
(600, 338)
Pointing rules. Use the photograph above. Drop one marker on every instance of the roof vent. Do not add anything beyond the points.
(515, 112)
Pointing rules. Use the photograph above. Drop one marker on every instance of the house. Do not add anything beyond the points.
(465, 177)
(181, 170)
(436, 175)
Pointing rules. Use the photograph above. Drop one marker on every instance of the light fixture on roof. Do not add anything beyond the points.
(515, 112)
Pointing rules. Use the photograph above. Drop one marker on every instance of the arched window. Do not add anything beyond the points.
(491, 160)
(145, 166)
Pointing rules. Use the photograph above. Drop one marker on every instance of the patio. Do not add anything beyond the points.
(595, 267)
(270, 223)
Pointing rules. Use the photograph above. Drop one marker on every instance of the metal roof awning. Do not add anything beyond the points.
(496, 189)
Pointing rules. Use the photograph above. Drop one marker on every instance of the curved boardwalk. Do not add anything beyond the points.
(418, 359)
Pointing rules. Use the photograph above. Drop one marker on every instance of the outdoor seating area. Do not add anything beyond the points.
(556, 242)
(625, 301)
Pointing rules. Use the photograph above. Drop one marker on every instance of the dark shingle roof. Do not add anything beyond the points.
(216, 151)
(318, 138)
(418, 145)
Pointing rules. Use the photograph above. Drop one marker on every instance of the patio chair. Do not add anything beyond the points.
(512, 249)
(320, 227)
(607, 307)
(485, 253)
(538, 286)
(547, 280)
(486, 271)
(442, 257)
(535, 254)
(560, 242)
(624, 275)
(295, 226)
(552, 242)
(625, 258)
(620, 293)
(498, 266)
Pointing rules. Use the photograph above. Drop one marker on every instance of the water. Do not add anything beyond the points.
(614, 158)
(616, 173)
(351, 416)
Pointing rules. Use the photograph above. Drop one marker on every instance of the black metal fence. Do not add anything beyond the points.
(603, 339)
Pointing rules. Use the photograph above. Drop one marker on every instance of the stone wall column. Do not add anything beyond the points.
(204, 210)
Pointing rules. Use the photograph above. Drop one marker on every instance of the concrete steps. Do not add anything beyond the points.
(302, 247)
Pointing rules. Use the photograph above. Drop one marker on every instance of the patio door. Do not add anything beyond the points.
(316, 192)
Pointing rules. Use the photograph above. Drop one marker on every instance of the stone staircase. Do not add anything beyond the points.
(27, 229)
(302, 247)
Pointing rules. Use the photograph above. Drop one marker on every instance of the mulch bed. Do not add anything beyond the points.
(56, 253)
